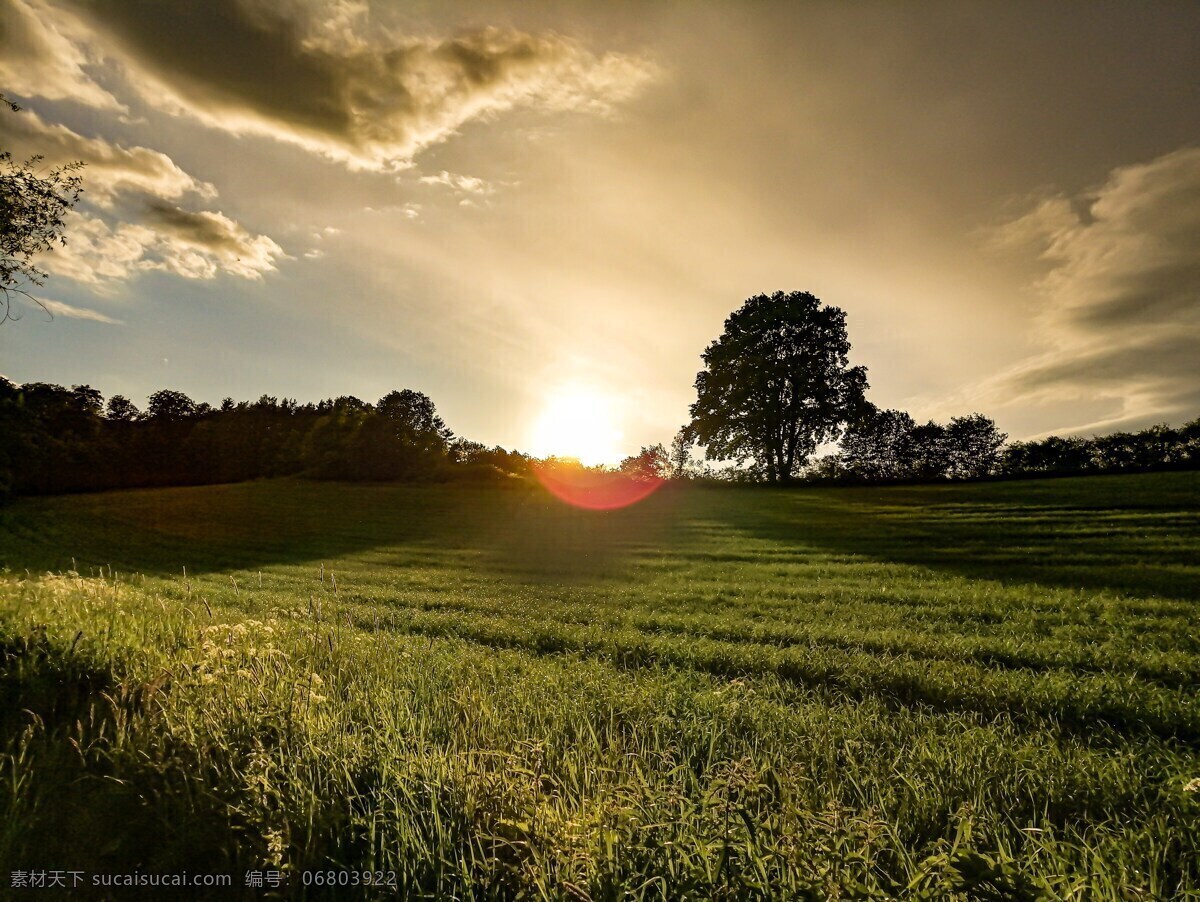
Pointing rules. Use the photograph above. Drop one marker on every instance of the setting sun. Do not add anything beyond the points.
(577, 421)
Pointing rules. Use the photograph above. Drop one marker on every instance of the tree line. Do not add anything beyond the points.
(887, 446)
(54, 439)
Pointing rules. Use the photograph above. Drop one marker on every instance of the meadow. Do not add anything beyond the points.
(959, 691)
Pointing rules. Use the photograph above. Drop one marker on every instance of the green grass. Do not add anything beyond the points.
(986, 690)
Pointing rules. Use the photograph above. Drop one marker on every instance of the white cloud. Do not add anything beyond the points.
(66, 311)
(408, 211)
(95, 253)
(466, 184)
(190, 245)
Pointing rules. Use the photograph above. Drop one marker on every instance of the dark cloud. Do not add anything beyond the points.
(1122, 293)
(212, 231)
(350, 90)
(224, 53)
(1113, 364)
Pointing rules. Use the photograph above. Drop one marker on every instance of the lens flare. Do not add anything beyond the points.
(591, 489)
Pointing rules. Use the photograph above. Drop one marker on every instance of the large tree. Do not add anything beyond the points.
(776, 384)
(33, 206)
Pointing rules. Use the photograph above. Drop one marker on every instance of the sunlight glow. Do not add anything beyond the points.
(577, 421)
(591, 489)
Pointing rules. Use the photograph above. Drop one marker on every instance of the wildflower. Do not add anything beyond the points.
(276, 845)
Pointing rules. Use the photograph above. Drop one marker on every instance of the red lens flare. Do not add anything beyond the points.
(593, 490)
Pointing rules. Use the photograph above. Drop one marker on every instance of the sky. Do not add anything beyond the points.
(526, 209)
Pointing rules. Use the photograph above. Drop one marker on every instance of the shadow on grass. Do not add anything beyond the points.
(1133, 534)
(521, 534)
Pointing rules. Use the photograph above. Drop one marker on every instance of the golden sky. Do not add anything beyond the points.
(517, 206)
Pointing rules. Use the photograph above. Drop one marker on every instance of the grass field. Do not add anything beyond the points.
(985, 690)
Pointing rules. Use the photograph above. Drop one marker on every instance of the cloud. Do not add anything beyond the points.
(96, 253)
(407, 210)
(66, 311)
(465, 184)
(110, 168)
(190, 245)
(205, 242)
(156, 233)
(40, 58)
(1122, 293)
(323, 76)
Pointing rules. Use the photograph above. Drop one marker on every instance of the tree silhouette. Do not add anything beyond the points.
(928, 452)
(886, 446)
(877, 446)
(166, 404)
(121, 410)
(649, 463)
(777, 384)
(680, 454)
(973, 446)
(415, 419)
